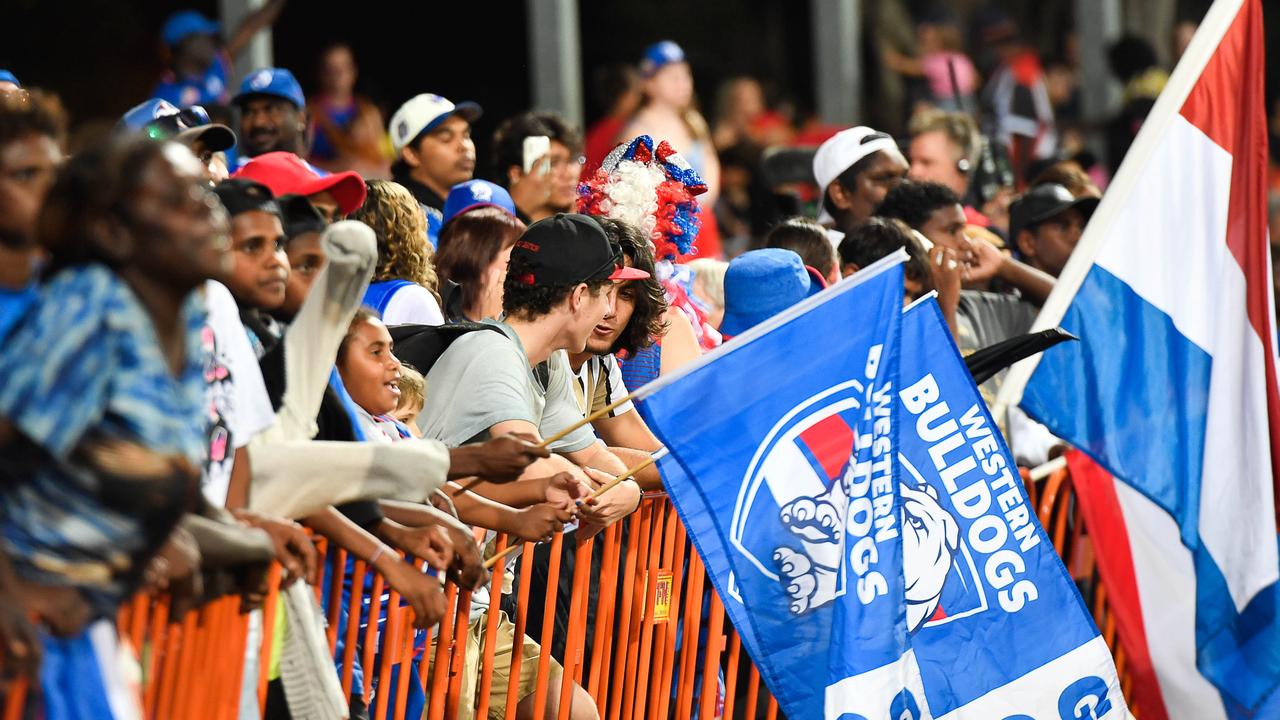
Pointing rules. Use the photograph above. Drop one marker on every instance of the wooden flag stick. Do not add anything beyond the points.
(614, 482)
(488, 564)
(588, 419)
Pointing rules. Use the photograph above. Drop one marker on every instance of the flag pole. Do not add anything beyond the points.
(1202, 47)
(599, 491)
(588, 419)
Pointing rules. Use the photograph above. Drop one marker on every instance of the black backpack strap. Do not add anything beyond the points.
(422, 345)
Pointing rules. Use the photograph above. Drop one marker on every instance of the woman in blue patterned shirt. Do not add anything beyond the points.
(102, 424)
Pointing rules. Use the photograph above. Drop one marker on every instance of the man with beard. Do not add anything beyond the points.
(434, 151)
(272, 114)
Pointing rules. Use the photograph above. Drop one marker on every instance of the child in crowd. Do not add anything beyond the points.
(413, 395)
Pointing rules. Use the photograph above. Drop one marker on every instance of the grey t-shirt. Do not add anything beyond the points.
(484, 379)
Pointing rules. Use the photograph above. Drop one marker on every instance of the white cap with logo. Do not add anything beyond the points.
(425, 112)
(842, 150)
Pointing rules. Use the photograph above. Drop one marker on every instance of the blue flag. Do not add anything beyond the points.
(781, 466)
(997, 628)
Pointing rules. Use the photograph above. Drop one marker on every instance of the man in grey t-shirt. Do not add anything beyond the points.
(559, 286)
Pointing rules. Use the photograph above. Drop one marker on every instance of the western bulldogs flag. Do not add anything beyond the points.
(1172, 387)
(781, 467)
(997, 628)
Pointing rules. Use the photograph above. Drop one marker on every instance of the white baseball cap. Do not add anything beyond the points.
(423, 113)
(842, 150)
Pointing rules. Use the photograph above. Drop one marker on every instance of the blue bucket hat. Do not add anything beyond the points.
(185, 23)
(762, 283)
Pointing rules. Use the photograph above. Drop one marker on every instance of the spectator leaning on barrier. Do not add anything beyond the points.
(550, 185)
(434, 151)
(636, 322)
(118, 318)
(559, 287)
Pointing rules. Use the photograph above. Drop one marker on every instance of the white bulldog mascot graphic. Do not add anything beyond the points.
(930, 539)
(803, 480)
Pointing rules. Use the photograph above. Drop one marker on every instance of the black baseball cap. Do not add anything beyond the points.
(1043, 202)
(239, 195)
(569, 248)
(300, 216)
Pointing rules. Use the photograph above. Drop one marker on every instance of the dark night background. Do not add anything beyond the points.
(103, 56)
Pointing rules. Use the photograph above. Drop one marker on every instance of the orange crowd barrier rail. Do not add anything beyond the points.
(628, 627)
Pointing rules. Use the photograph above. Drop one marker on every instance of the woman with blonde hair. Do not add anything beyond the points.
(405, 286)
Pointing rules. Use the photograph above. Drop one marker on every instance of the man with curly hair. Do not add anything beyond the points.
(635, 323)
(560, 286)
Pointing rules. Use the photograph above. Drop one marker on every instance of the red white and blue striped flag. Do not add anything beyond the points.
(1172, 388)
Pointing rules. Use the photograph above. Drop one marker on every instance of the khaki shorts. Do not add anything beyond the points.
(501, 667)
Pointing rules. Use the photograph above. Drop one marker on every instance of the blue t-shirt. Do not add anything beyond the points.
(321, 147)
(85, 367)
(207, 89)
(14, 304)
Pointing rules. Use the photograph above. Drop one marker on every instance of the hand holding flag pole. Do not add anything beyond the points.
(598, 492)
(588, 419)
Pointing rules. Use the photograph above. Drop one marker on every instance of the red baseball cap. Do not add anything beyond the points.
(288, 174)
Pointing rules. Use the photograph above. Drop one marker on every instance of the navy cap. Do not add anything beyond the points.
(274, 82)
(6, 76)
(474, 194)
(239, 195)
(762, 283)
(161, 120)
(1043, 202)
(300, 216)
(567, 249)
(658, 55)
(185, 23)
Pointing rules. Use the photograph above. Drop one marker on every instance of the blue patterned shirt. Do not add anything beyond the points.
(85, 365)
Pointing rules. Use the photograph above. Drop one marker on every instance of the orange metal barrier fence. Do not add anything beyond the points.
(657, 645)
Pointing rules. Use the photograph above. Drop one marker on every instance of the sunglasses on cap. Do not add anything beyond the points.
(166, 127)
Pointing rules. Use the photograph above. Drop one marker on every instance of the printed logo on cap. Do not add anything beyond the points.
(260, 79)
(482, 192)
(402, 130)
